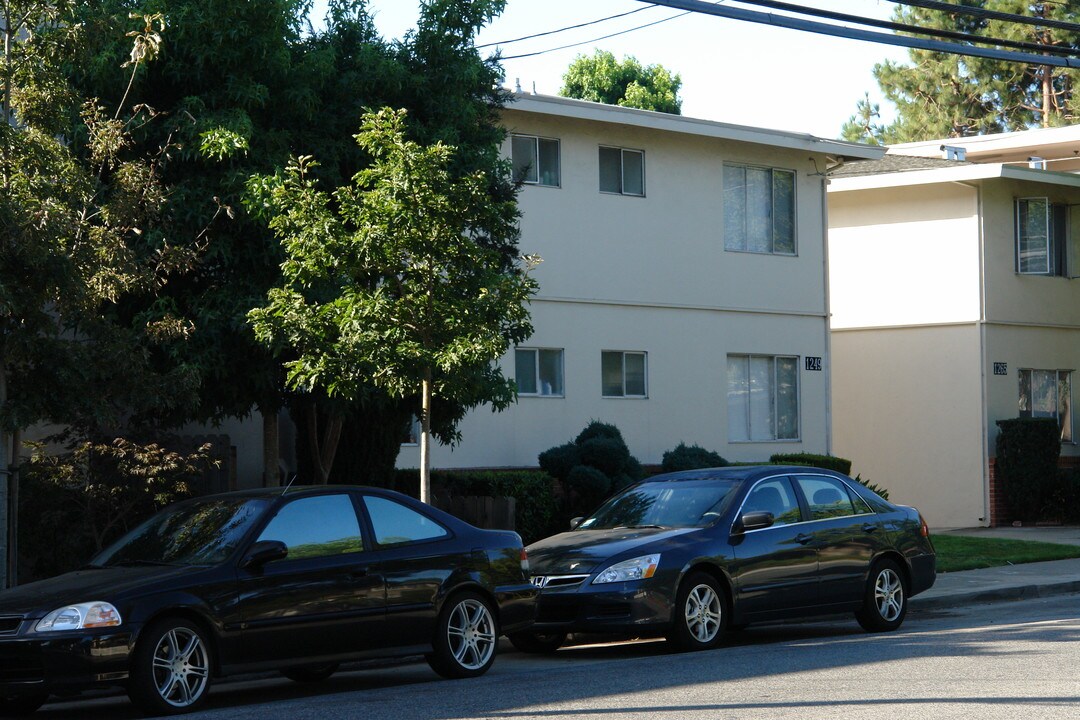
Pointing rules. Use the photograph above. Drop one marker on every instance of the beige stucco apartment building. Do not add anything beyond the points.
(682, 290)
(955, 303)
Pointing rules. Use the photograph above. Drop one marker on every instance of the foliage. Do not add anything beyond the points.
(1027, 451)
(94, 491)
(872, 487)
(828, 462)
(690, 457)
(601, 78)
(596, 464)
(940, 95)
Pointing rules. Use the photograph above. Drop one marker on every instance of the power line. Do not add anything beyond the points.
(793, 23)
(564, 29)
(604, 37)
(984, 13)
(913, 29)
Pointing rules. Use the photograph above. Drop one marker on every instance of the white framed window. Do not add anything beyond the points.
(535, 160)
(539, 371)
(1042, 230)
(622, 171)
(759, 210)
(763, 398)
(623, 374)
(1048, 393)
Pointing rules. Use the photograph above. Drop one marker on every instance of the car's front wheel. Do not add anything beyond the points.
(20, 705)
(699, 613)
(465, 637)
(536, 642)
(885, 600)
(170, 668)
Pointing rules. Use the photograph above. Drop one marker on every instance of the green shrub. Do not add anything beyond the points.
(828, 462)
(691, 457)
(596, 429)
(598, 451)
(590, 484)
(608, 455)
(560, 460)
(1027, 463)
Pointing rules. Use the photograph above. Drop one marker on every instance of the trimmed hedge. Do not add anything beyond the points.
(593, 466)
(691, 457)
(1027, 452)
(828, 462)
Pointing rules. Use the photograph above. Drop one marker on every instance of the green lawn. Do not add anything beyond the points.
(955, 552)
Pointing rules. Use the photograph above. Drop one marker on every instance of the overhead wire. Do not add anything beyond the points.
(564, 29)
(603, 37)
(988, 14)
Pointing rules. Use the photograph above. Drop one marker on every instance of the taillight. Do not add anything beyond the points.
(924, 529)
(525, 562)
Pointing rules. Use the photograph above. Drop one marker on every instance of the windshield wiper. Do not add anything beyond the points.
(637, 527)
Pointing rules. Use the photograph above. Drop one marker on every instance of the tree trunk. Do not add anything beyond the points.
(1047, 87)
(322, 449)
(271, 448)
(425, 438)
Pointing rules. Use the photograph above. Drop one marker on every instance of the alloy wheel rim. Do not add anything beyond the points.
(889, 595)
(181, 667)
(703, 613)
(471, 632)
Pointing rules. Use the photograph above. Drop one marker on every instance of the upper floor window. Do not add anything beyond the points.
(1041, 236)
(763, 398)
(1048, 393)
(535, 160)
(622, 171)
(622, 374)
(539, 371)
(759, 210)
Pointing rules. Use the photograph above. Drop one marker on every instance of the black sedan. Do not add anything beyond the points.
(299, 580)
(690, 554)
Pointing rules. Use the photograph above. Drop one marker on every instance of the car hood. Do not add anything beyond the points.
(583, 551)
(112, 584)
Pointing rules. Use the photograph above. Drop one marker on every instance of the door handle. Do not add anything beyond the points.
(869, 527)
(803, 538)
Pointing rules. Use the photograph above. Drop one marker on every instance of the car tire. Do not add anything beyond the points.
(21, 705)
(700, 613)
(537, 642)
(310, 673)
(885, 600)
(170, 668)
(466, 636)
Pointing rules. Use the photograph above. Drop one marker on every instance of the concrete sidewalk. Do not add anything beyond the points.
(1011, 582)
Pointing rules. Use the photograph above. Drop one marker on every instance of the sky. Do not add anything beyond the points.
(732, 71)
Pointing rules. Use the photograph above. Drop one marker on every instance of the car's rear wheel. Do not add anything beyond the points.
(310, 673)
(537, 642)
(699, 613)
(20, 705)
(465, 637)
(885, 599)
(170, 668)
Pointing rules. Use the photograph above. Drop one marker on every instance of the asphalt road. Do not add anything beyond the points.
(1006, 660)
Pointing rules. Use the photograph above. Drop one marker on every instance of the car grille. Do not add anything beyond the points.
(9, 624)
(554, 581)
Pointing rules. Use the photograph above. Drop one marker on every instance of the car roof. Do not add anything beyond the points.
(293, 490)
(736, 472)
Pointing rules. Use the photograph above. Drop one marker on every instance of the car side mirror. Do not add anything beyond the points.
(754, 520)
(574, 522)
(263, 552)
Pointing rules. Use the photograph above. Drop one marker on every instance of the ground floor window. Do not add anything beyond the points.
(1048, 393)
(763, 398)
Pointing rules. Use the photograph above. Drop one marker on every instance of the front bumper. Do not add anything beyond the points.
(517, 606)
(639, 607)
(63, 662)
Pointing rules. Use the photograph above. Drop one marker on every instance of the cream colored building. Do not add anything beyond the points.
(955, 304)
(682, 290)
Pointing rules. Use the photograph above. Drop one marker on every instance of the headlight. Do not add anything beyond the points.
(80, 617)
(637, 568)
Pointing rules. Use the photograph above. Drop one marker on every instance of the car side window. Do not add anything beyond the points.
(828, 497)
(777, 497)
(395, 524)
(316, 527)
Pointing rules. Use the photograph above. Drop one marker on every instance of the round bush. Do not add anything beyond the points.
(691, 457)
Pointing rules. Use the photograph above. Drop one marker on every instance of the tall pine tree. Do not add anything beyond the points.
(940, 95)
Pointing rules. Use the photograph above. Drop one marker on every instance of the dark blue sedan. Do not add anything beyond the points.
(689, 555)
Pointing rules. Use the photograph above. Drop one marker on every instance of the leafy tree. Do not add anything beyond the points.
(942, 95)
(386, 283)
(602, 78)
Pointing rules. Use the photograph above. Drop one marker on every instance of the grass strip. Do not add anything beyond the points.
(957, 552)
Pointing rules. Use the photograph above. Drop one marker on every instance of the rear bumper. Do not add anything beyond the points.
(923, 572)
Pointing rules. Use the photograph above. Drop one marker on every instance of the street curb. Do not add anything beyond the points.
(1001, 594)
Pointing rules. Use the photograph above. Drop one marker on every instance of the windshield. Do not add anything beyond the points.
(192, 533)
(689, 503)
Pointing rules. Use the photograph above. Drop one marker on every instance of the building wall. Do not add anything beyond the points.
(908, 413)
(904, 256)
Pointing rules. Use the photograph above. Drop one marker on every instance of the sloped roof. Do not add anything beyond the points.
(893, 164)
